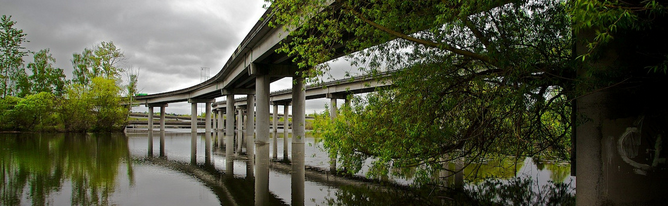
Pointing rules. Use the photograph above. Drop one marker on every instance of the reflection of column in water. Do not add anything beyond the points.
(162, 144)
(207, 133)
(150, 131)
(219, 138)
(193, 148)
(250, 170)
(150, 143)
(274, 124)
(298, 174)
(193, 132)
(207, 148)
(162, 130)
(262, 174)
(286, 111)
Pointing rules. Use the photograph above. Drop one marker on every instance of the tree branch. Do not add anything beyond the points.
(477, 33)
(420, 41)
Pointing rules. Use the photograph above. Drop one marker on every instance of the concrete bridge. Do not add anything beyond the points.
(249, 71)
(603, 165)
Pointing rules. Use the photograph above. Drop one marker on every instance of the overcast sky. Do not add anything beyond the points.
(168, 41)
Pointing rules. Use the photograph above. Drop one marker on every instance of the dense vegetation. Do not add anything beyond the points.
(46, 101)
(475, 79)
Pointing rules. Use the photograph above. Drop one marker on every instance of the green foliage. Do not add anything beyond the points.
(474, 78)
(102, 60)
(7, 105)
(99, 102)
(44, 77)
(609, 18)
(91, 104)
(34, 112)
(11, 57)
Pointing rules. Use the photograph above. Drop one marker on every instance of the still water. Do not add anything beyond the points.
(118, 169)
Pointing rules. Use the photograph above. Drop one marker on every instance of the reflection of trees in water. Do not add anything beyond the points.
(43, 162)
(558, 173)
(500, 167)
(516, 191)
(520, 191)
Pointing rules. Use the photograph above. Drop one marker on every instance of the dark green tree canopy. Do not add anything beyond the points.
(474, 77)
(44, 77)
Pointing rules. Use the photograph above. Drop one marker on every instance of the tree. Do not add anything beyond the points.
(44, 77)
(100, 61)
(475, 78)
(11, 58)
(35, 112)
(481, 77)
(110, 115)
(96, 107)
(131, 87)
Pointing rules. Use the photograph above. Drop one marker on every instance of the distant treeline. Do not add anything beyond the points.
(45, 100)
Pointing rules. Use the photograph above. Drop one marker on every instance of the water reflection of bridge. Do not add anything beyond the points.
(249, 71)
(237, 187)
(229, 189)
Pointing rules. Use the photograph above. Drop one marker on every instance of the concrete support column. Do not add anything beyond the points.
(459, 175)
(221, 128)
(275, 126)
(298, 135)
(250, 127)
(240, 131)
(286, 128)
(332, 153)
(262, 140)
(150, 131)
(229, 134)
(221, 123)
(193, 131)
(162, 118)
(214, 125)
(193, 117)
